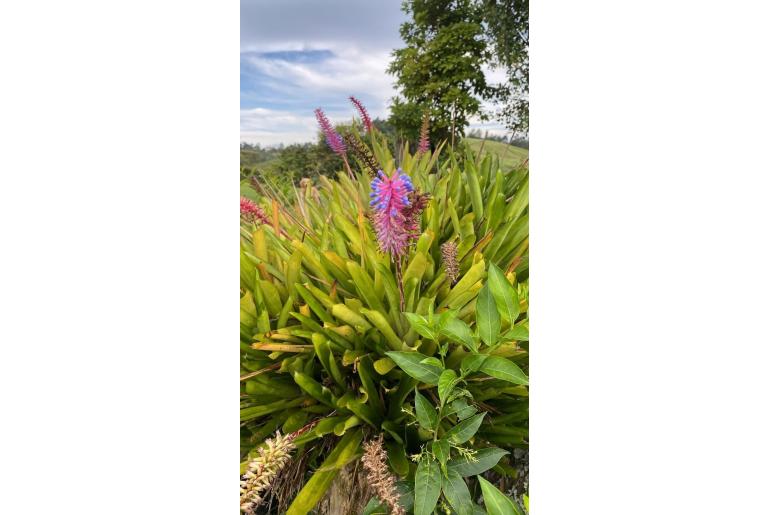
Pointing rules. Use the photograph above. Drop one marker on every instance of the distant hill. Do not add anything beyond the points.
(510, 156)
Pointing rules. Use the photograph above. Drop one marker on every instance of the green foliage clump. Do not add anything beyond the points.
(325, 344)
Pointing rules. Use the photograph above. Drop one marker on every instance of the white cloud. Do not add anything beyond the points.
(349, 71)
(272, 126)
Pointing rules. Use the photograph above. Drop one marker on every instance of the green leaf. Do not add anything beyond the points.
(384, 365)
(473, 362)
(315, 389)
(421, 325)
(369, 384)
(446, 382)
(457, 493)
(426, 413)
(427, 486)
(351, 356)
(410, 362)
(495, 501)
(519, 333)
(506, 297)
(463, 431)
(458, 331)
(405, 494)
(487, 316)
(361, 409)
(397, 457)
(462, 409)
(441, 450)
(504, 369)
(374, 507)
(433, 361)
(485, 460)
(345, 451)
(446, 317)
(341, 428)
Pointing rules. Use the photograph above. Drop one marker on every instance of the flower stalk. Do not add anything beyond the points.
(362, 153)
(333, 138)
(381, 480)
(424, 144)
(262, 470)
(449, 258)
(362, 111)
(251, 212)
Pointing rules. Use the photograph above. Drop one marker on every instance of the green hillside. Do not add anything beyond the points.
(510, 156)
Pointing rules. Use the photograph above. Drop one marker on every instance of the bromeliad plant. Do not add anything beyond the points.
(404, 319)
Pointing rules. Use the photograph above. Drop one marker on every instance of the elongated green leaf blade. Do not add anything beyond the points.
(410, 362)
(458, 331)
(485, 460)
(427, 486)
(465, 430)
(506, 297)
(461, 408)
(457, 493)
(374, 507)
(487, 316)
(421, 325)
(441, 450)
(472, 362)
(504, 369)
(495, 501)
(446, 382)
(426, 413)
(518, 333)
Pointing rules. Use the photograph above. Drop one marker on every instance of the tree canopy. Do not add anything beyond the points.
(441, 68)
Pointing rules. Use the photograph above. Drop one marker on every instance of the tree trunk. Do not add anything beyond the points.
(348, 494)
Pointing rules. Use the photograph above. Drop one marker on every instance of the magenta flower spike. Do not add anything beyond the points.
(333, 139)
(251, 212)
(390, 197)
(363, 112)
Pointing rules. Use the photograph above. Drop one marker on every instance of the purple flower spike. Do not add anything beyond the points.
(333, 139)
(364, 114)
(390, 197)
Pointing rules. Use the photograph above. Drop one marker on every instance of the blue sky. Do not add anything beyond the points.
(297, 55)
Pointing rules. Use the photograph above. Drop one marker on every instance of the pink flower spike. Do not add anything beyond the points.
(390, 197)
(362, 111)
(251, 212)
(333, 139)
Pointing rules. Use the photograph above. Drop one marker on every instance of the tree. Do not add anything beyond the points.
(507, 29)
(441, 68)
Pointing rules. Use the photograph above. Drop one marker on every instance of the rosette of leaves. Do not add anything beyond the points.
(321, 318)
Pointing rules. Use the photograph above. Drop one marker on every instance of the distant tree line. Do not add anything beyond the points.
(516, 141)
(289, 163)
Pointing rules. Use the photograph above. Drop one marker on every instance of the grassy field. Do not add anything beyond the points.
(510, 156)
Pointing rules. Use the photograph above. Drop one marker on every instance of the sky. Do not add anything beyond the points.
(297, 55)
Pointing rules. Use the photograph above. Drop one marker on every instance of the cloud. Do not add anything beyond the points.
(306, 78)
(271, 127)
